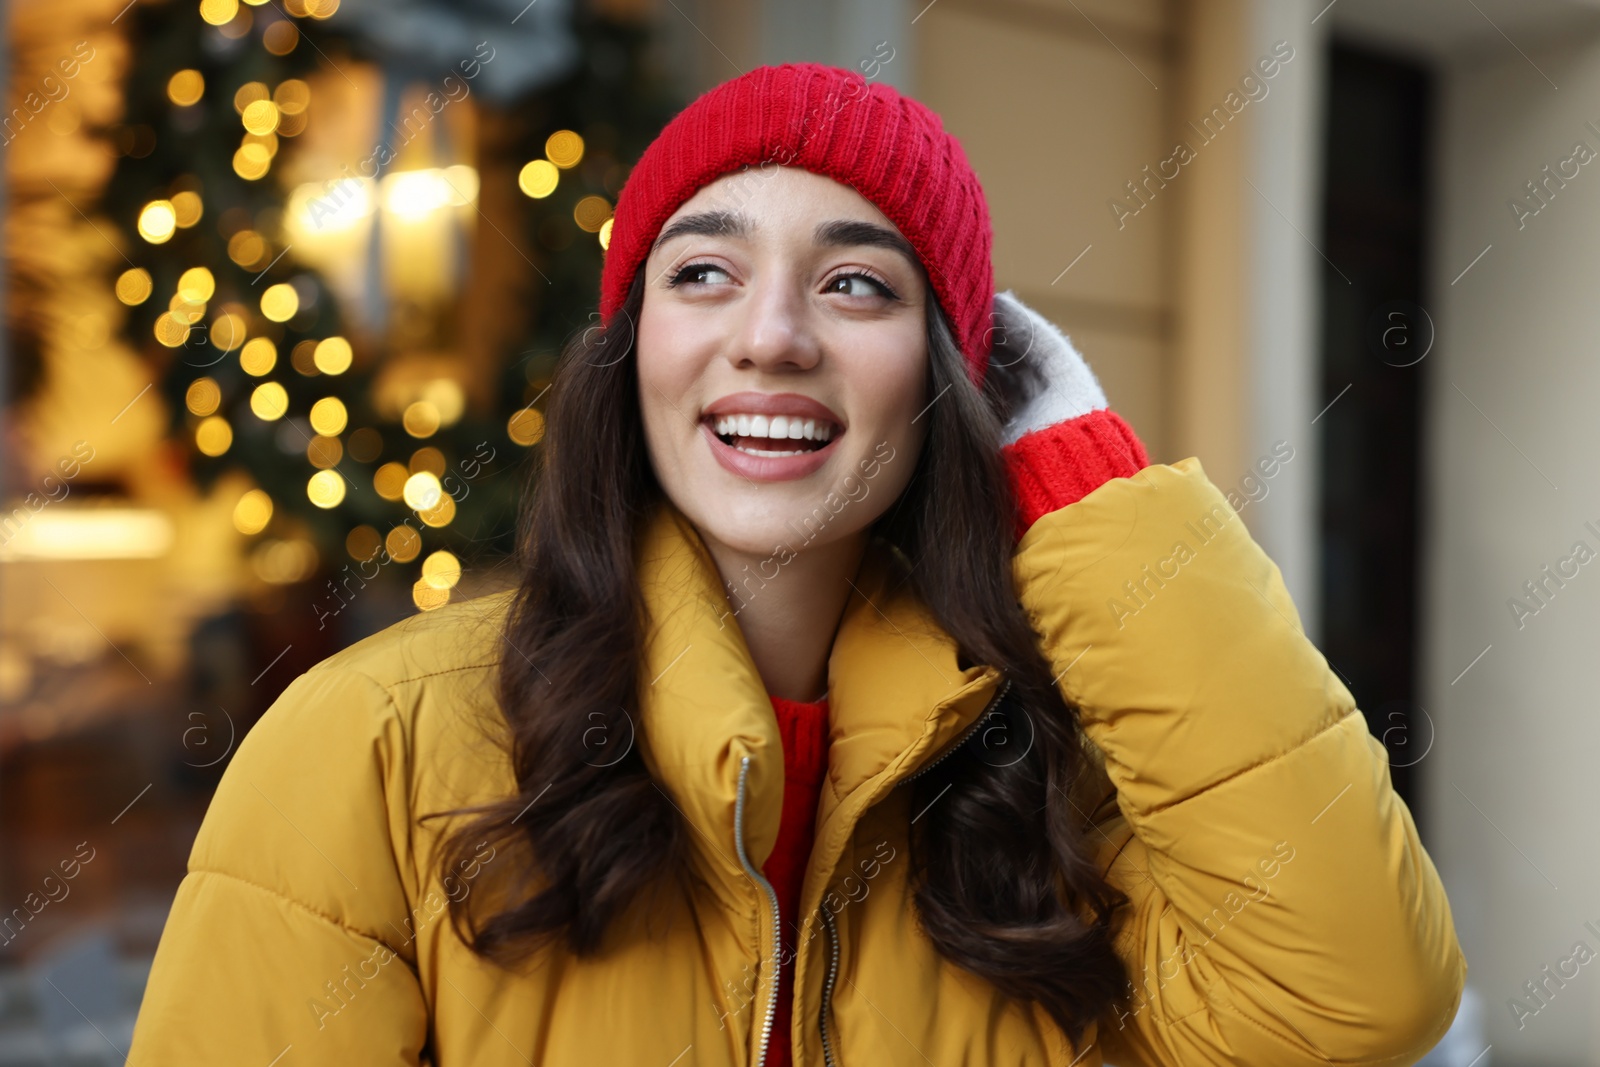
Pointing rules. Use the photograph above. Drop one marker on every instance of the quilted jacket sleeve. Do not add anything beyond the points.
(1283, 909)
(288, 940)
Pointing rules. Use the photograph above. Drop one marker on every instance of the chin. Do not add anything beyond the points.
(778, 529)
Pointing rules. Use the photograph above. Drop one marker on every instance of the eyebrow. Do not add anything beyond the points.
(834, 233)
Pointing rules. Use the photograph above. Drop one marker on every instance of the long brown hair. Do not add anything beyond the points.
(1004, 880)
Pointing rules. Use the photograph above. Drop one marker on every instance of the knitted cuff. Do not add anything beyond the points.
(1062, 464)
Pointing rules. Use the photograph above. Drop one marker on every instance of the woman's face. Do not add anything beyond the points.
(782, 359)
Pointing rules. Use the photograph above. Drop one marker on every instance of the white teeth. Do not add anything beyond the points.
(776, 427)
(764, 452)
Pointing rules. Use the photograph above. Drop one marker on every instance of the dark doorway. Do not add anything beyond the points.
(1376, 332)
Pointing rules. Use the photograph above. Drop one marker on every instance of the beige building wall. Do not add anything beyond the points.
(1057, 110)
(1189, 281)
(1511, 444)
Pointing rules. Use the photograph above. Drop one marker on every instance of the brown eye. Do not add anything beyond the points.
(693, 274)
(881, 288)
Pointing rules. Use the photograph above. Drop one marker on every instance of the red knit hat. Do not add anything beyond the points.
(831, 121)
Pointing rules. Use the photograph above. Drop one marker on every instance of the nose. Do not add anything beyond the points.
(777, 332)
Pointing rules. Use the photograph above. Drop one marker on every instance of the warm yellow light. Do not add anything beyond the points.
(303, 357)
(441, 569)
(252, 513)
(170, 330)
(321, 9)
(404, 544)
(213, 435)
(134, 286)
(421, 419)
(605, 234)
(422, 491)
(280, 38)
(269, 401)
(332, 355)
(228, 330)
(362, 543)
(157, 221)
(284, 562)
(447, 397)
(591, 213)
(328, 416)
(280, 302)
(246, 248)
(324, 451)
(565, 148)
(428, 458)
(319, 210)
(441, 513)
(186, 208)
(292, 96)
(326, 489)
(427, 597)
(526, 426)
(260, 117)
(258, 356)
(185, 310)
(390, 480)
(252, 161)
(186, 87)
(196, 285)
(539, 178)
(410, 194)
(219, 12)
(203, 396)
(268, 141)
(67, 532)
(249, 93)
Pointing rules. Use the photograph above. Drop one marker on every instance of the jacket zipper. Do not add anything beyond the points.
(772, 897)
(965, 736)
(827, 916)
(827, 986)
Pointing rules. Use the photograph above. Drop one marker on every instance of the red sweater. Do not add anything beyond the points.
(804, 729)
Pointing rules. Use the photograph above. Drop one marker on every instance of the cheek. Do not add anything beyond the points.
(667, 372)
(891, 380)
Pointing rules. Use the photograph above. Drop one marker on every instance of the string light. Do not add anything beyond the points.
(252, 513)
(325, 489)
(538, 179)
(333, 355)
(186, 87)
(565, 148)
(280, 302)
(134, 286)
(157, 221)
(269, 401)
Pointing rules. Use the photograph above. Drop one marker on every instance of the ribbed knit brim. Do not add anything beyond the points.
(891, 149)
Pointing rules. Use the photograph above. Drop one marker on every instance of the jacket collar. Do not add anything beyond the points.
(896, 696)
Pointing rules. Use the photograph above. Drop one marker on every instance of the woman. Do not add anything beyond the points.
(868, 698)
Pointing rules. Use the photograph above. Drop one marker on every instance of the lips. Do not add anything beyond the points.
(771, 436)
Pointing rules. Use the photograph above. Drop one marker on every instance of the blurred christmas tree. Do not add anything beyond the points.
(265, 366)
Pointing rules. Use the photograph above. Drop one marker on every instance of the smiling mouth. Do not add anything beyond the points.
(774, 437)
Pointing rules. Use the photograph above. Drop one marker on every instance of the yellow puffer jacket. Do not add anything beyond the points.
(1283, 911)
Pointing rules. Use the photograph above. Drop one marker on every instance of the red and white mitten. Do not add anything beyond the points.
(1063, 442)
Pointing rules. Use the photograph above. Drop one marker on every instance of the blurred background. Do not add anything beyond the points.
(286, 280)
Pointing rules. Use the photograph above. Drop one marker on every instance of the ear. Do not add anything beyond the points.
(1070, 388)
